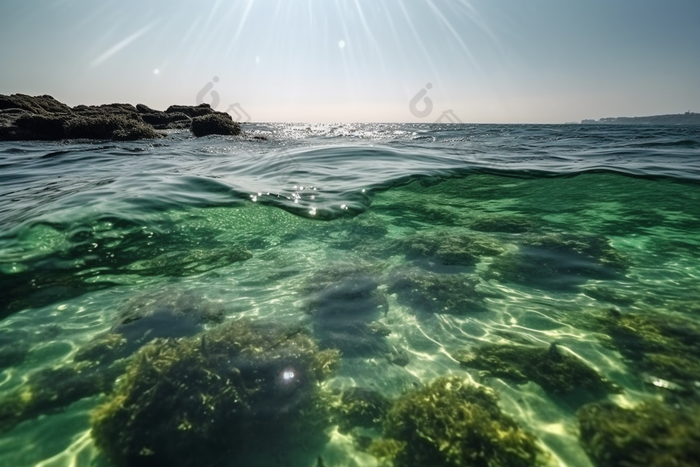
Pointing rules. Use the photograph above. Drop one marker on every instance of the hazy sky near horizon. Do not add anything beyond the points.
(500, 61)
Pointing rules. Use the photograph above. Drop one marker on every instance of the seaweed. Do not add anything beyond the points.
(237, 391)
(557, 372)
(361, 407)
(452, 422)
(665, 346)
(447, 248)
(437, 293)
(651, 434)
(52, 389)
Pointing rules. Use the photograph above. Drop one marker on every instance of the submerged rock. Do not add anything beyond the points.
(651, 434)
(447, 248)
(14, 348)
(557, 372)
(163, 313)
(361, 407)
(437, 293)
(344, 303)
(558, 262)
(452, 422)
(660, 345)
(238, 393)
(53, 389)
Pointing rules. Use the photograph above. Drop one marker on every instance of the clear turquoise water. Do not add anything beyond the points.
(570, 220)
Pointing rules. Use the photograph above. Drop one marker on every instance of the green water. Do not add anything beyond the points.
(511, 260)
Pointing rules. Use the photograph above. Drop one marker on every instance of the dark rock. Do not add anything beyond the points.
(24, 118)
(44, 126)
(144, 109)
(652, 434)
(344, 303)
(14, 347)
(437, 293)
(191, 110)
(559, 373)
(161, 120)
(232, 396)
(218, 123)
(44, 118)
(116, 127)
(37, 104)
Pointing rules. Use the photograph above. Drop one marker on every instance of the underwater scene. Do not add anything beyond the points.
(353, 295)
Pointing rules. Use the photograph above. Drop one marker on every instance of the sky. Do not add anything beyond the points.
(474, 61)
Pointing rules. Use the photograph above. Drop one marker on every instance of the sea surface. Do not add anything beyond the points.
(405, 247)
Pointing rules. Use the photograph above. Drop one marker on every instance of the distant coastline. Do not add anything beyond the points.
(688, 118)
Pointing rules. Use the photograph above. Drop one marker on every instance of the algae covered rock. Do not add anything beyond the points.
(447, 248)
(217, 123)
(149, 315)
(651, 434)
(452, 422)
(361, 407)
(52, 389)
(240, 391)
(664, 346)
(437, 293)
(557, 372)
(115, 127)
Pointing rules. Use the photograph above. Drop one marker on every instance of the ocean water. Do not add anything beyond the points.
(405, 247)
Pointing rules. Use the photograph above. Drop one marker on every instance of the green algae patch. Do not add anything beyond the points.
(452, 422)
(233, 393)
(651, 434)
(52, 389)
(448, 247)
(361, 407)
(664, 346)
(556, 371)
(437, 293)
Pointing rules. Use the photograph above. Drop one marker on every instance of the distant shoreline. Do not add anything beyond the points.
(688, 118)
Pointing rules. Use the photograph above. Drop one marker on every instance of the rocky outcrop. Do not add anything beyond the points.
(217, 123)
(25, 117)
